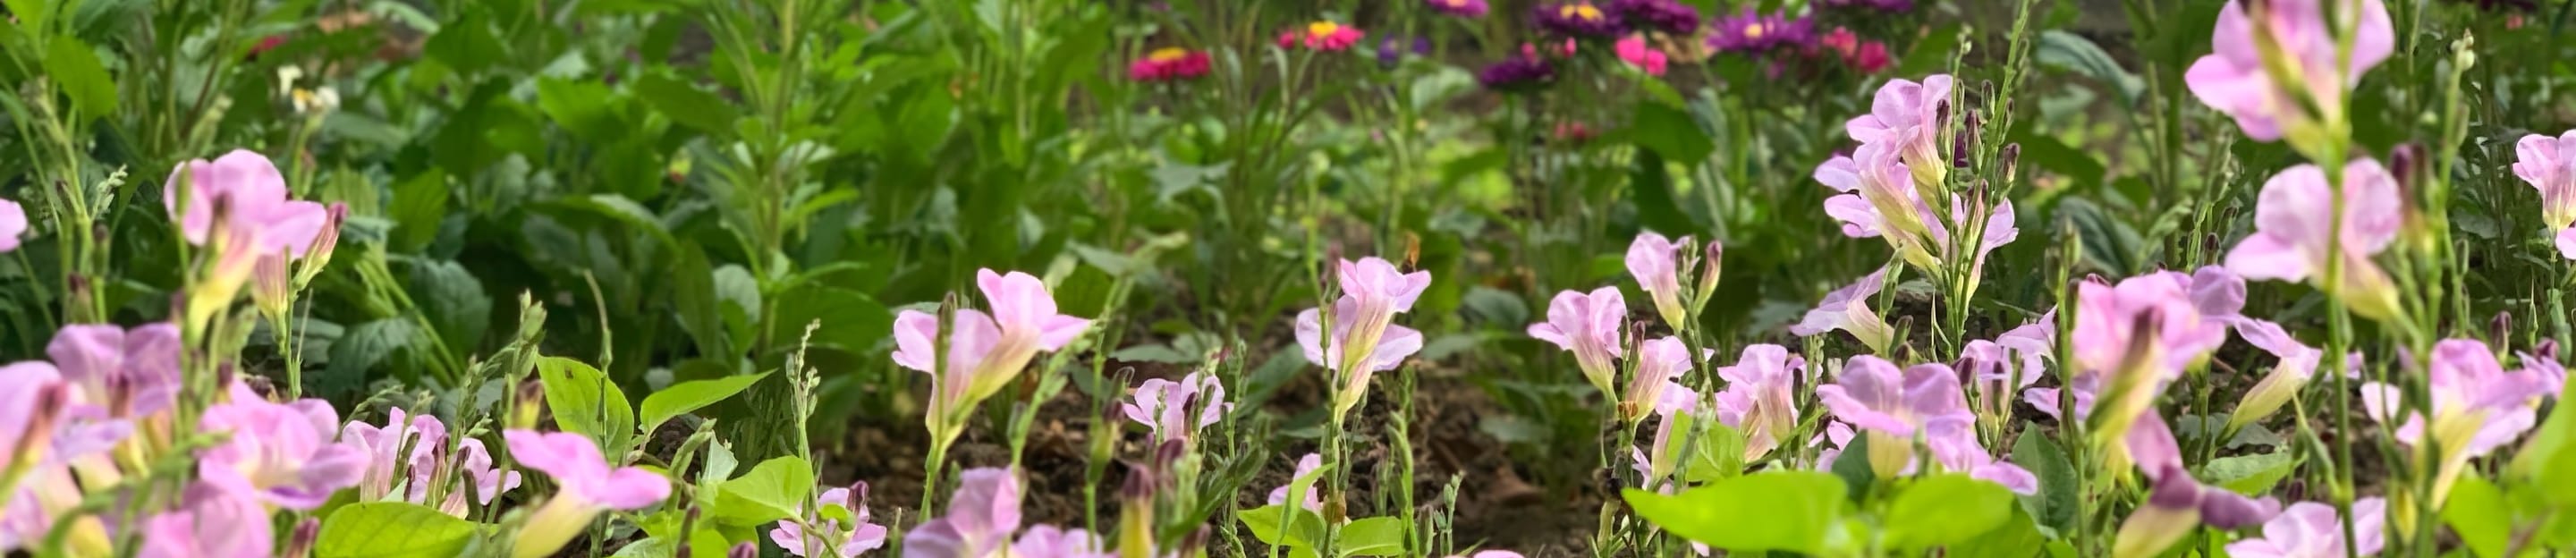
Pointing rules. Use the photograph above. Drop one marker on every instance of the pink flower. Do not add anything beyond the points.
(2313, 530)
(1321, 36)
(986, 352)
(1906, 117)
(282, 454)
(1025, 314)
(2567, 242)
(2233, 79)
(1592, 326)
(1893, 406)
(1048, 541)
(982, 515)
(484, 480)
(1163, 406)
(1848, 309)
(1954, 445)
(586, 486)
(2179, 505)
(1313, 500)
(1459, 8)
(259, 205)
(2293, 223)
(131, 373)
(1881, 199)
(1381, 290)
(383, 447)
(1169, 64)
(2132, 338)
(211, 522)
(1760, 398)
(828, 540)
(2548, 164)
(1996, 372)
(1656, 263)
(1659, 362)
(2476, 405)
(13, 224)
(1634, 51)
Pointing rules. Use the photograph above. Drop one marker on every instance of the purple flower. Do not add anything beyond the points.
(2476, 405)
(586, 486)
(827, 539)
(1163, 406)
(132, 373)
(1578, 19)
(2294, 222)
(1896, 6)
(1656, 263)
(1668, 16)
(1593, 327)
(1313, 501)
(258, 201)
(13, 224)
(282, 454)
(1996, 372)
(481, 477)
(1754, 33)
(1517, 74)
(2132, 338)
(2177, 506)
(1760, 398)
(1848, 309)
(982, 515)
(2313, 530)
(1048, 541)
(2233, 79)
(211, 522)
(1459, 8)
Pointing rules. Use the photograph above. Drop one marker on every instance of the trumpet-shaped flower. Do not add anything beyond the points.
(1660, 361)
(211, 522)
(1592, 326)
(2476, 406)
(1163, 406)
(1321, 36)
(1996, 372)
(985, 351)
(1048, 541)
(1314, 500)
(13, 225)
(281, 453)
(261, 211)
(1578, 19)
(484, 480)
(586, 486)
(1391, 345)
(1848, 309)
(2314, 530)
(827, 539)
(1906, 116)
(2297, 365)
(1656, 263)
(2549, 165)
(1954, 445)
(2177, 506)
(1024, 314)
(2244, 75)
(384, 448)
(1459, 8)
(2294, 223)
(1893, 406)
(2135, 336)
(1760, 398)
(1634, 51)
(132, 373)
(981, 518)
(1679, 407)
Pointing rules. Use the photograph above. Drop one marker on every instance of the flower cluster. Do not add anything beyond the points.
(2273, 58)
(1897, 408)
(1321, 36)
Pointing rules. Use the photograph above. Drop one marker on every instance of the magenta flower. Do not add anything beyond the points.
(585, 486)
(282, 454)
(2313, 530)
(131, 373)
(1634, 51)
(1907, 116)
(1592, 326)
(1760, 398)
(1670, 17)
(1169, 64)
(1848, 309)
(2293, 222)
(1517, 74)
(2548, 164)
(827, 539)
(1656, 263)
(1048, 541)
(2233, 80)
(1321, 36)
(1459, 8)
(259, 204)
(982, 515)
(1893, 406)
(1163, 406)
(13, 224)
(211, 522)
(1313, 501)
(1753, 32)
(1577, 19)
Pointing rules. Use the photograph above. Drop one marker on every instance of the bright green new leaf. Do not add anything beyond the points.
(1946, 509)
(773, 490)
(2477, 510)
(392, 530)
(585, 402)
(1265, 523)
(1375, 536)
(685, 397)
(2251, 475)
(2055, 505)
(72, 65)
(1769, 511)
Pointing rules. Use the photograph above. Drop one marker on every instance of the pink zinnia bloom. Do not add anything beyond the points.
(211, 522)
(1634, 51)
(261, 211)
(130, 373)
(1322, 36)
(1593, 327)
(1169, 64)
(1313, 501)
(829, 540)
(1760, 398)
(982, 515)
(1163, 406)
(2294, 222)
(1460, 8)
(2313, 530)
(2233, 79)
(1848, 309)
(13, 224)
(282, 453)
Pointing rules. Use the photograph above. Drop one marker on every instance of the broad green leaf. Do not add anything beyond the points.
(1853, 468)
(2017, 537)
(1265, 522)
(468, 45)
(685, 397)
(418, 210)
(585, 402)
(454, 302)
(392, 530)
(686, 104)
(2055, 505)
(2078, 54)
(2251, 475)
(692, 294)
(1719, 455)
(738, 297)
(1769, 511)
(773, 490)
(1375, 536)
(851, 320)
(1931, 54)
(2478, 512)
(1652, 184)
(71, 64)
(1946, 509)
(1671, 132)
(359, 352)
(584, 108)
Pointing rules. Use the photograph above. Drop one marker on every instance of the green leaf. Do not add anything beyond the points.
(2075, 53)
(1375, 536)
(685, 397)
(71, 64)
(1265, 521)
(773, 490)
(1671, 132)
(851, 321)
(2109, 244)
(1931, 55)
(1853, 467)
(687, 104)
(2055, 505)
(2477, 510)
(692, 290)
(1652, 184)
(1720, 453)
(418, 210)
(454, 302)
(585, 402)
(358, 353)
(2017, 537)
(739, 295)
(1789, 511)
(583, 108)
(392, 530)
(2251, 475)
(469, 46)
(1946, 509)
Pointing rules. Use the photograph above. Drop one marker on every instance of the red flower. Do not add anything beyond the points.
(1169, 64)
(1321, 35)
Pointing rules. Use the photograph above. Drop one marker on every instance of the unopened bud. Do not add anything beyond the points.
(2547, 349)
(39, 435)
(1139, 486)
(1171, 451)
(1712, 268)
(528, 405)
(318, 254)
(2010, 159)
(300, 544)
(2501, 328)
(1964, 144)
(270, 288)
(747, 549)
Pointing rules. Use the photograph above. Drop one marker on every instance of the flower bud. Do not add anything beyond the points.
(528, 405)
(2501, 328)
(269, 287)
(2172, 512)
(1136, 515)
(1712, 267)
(319, 254)
(300, 544)
(747, 549)
(2010, 159)
(1964, 144)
